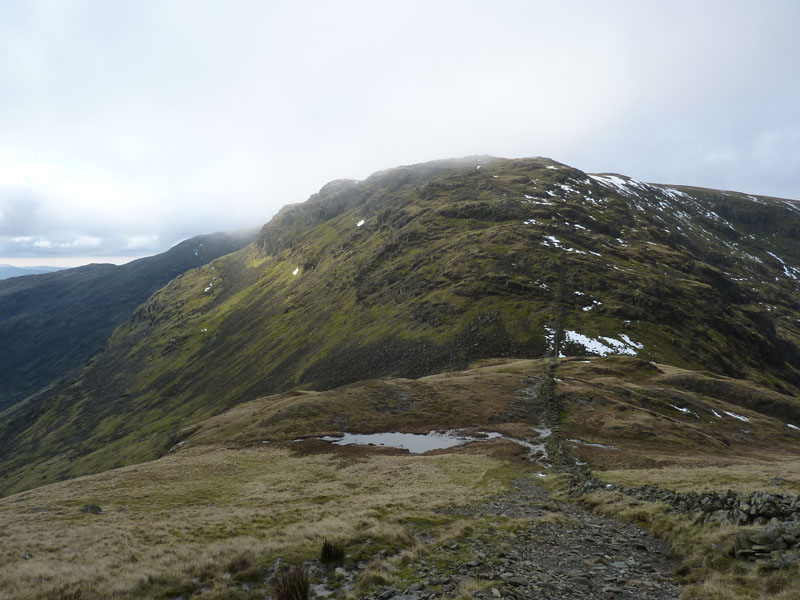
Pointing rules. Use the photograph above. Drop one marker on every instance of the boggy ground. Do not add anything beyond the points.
(534, 546)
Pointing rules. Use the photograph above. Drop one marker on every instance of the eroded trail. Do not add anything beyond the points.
(564, 551)
(543, 548)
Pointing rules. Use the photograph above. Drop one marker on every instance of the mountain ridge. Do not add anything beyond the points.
(54, 322)
(422, 269)
(7, 271)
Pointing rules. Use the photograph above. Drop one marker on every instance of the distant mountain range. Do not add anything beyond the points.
(7, 271)
(413, 271)
(54, 322)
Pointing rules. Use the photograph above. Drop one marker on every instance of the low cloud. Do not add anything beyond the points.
(142, 123)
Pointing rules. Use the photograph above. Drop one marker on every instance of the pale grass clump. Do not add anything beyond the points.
(466, 588)
(378, 572)
(556, 518)
(188, 515)
(413, 554)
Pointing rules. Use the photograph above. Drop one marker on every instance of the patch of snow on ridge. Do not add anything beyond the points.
(735, 416)
(790, 426)
(557, 243)
(630, 342)
(625, 186)
(360, 223)
(788, 271)
(675, 194)
(716, 414)
(296, 271)
(608, 346)
(685, 411)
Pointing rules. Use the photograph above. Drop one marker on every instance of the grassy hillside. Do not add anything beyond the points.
(241, 490)
(422, 269)
(53, 323)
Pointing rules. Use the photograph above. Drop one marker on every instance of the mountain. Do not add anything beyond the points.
(52, 323)
(7, 271)
(423, 269)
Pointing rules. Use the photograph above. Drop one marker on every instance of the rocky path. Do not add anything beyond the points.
(553, 550)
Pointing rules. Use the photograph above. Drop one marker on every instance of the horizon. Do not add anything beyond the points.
(67, 262)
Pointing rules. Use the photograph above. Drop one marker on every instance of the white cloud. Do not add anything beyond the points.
(156, 120)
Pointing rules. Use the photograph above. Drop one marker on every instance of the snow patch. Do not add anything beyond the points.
(790, 426)
(629, 341)
(296, 271)
(608, 346)
(594, 304)
(360, 223)
(735, 416)
(716, 414)
(685, 411)
(788, 271)
(554, 241)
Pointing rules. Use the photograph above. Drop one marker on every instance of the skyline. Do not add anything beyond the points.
(126, 127)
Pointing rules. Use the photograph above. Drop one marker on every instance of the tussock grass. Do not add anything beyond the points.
(204, 519)
(291, 583)
(467, 587)
(331, 553)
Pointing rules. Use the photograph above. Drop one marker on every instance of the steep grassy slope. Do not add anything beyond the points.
(53, 323)
(422, 269)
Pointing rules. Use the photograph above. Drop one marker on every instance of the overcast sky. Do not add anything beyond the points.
(126, 126)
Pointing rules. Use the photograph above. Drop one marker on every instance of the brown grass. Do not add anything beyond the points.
(202, 518)
(775, 476)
